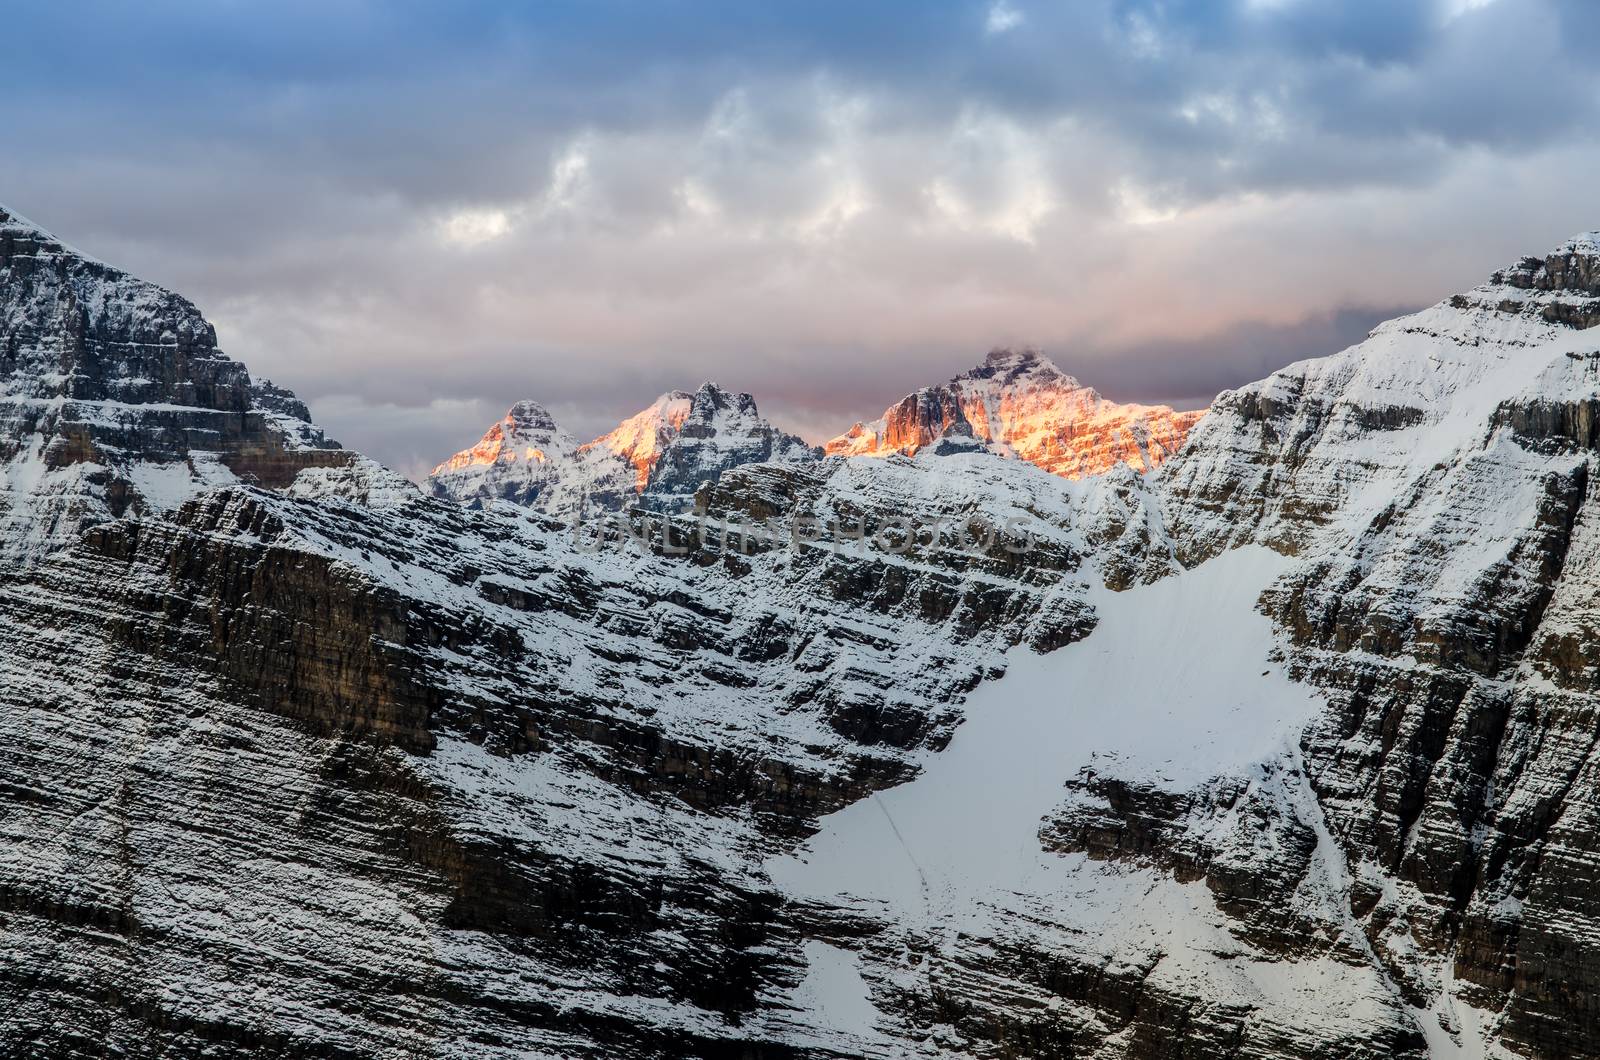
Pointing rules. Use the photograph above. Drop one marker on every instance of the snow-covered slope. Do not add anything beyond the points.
(423, 777)
(1021, 405)
(1412, 873)
(658, 457)
(1175, 689)
(1339, 436)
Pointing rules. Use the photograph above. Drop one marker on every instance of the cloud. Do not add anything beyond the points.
(414, 214)
(467, 228)
(1188, 371)
(1002, 17)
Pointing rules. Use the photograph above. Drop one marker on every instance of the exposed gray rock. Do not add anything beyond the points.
(114, 399)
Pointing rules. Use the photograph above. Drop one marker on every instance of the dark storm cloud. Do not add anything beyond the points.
(413, 212)
(1189, 372)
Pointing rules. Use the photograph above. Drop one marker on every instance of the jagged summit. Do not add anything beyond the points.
(531, 414)
(115, 399)
(1009, 366)
(657, 457)
(13, 219)
(1019, 404)
(1573, 266)
(711, 398)
(1008, 363)
(518, 459)
(1016, 404)
(1585, 243)
(1571, 270)
(722, 430)
(713, 403)
(1560, 289)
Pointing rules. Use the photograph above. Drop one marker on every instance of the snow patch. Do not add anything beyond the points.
(1158, 687)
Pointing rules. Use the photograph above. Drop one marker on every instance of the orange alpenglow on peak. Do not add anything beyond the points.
(1020, 405)
(512, 439)
(640, 438)
(658, 457)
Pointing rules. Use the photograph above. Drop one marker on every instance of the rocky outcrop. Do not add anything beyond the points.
(114, 399)
(1021, 405)
(1563, 286)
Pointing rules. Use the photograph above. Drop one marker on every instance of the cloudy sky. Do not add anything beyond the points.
(415, 213)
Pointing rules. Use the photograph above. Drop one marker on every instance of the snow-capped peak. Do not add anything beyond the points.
(640, 438)
(659, 456)
(526, 446)
(1585, 243)
(1021, 405)
(1008, 364)
(138, 411)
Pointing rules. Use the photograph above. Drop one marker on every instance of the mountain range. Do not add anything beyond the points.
(1273, 737)
(1016, 404)
(657, 457)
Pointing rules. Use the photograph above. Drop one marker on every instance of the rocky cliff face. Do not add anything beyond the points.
(1021, 405)
(327, 770)
(657, 458)
(115, 400)
(1436, 483)
(420, 775)
(1285, 749)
